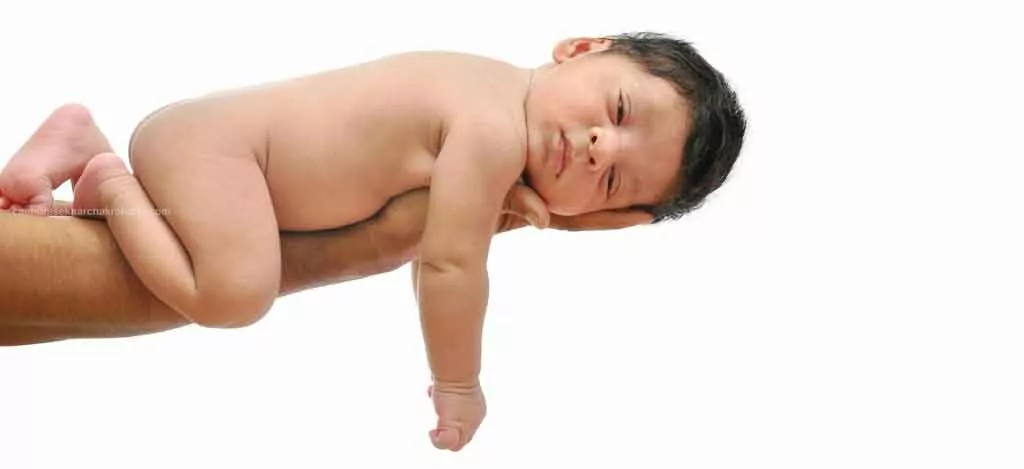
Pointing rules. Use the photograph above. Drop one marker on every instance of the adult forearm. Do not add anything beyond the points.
(64, 277)
(68, 272)
(375, 246)
(27, 335)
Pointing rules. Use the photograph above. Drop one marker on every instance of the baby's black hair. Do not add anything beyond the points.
(718, 123)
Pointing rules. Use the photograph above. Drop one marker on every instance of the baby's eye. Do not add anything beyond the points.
(621, 111)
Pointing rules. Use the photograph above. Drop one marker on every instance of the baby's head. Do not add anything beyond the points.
(635, 121)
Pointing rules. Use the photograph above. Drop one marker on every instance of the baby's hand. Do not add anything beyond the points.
(460, 410)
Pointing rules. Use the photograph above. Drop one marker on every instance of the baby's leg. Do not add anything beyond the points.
(56, 152)
(212, 251)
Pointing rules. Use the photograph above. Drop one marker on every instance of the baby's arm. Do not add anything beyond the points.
(471, 176)
(470, 179)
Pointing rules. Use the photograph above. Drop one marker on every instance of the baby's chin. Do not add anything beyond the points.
(562, 210)
(554, 205)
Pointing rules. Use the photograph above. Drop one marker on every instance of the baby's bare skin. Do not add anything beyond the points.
(329, 150)
(336, 146)
(231, 170)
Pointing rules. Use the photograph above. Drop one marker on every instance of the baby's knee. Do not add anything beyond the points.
(234, 316)
(232, 306)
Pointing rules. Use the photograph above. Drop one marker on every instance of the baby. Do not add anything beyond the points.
(634, 128)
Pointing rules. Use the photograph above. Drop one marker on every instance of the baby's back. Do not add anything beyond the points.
(336, 146)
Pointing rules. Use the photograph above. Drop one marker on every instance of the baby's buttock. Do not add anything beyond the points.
(185, 129)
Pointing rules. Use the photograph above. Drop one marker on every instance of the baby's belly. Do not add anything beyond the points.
(303, 207)
(311, 197)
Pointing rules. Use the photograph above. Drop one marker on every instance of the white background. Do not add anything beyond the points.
(850, 298)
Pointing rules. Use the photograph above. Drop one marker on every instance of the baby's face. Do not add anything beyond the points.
(603, 133)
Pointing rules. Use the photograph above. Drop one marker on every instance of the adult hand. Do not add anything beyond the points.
(523, 206)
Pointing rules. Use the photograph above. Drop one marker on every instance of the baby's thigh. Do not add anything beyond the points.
(216, 201)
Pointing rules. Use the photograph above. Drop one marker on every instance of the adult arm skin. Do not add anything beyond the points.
(64, 277)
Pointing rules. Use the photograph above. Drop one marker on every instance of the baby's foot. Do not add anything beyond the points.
(100, 173)
(55, 153)
(24, 193)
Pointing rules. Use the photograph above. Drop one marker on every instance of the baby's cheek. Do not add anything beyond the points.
(556, 202)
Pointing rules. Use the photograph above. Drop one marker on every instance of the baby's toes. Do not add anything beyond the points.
(40, 204)
(25, 194)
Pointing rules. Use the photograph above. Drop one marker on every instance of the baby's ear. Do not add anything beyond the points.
(603, 220)
(577, 46)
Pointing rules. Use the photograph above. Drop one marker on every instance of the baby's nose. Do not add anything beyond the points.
(601, 149)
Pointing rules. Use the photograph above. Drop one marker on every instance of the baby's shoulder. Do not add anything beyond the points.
(476, 99)
(489, 147)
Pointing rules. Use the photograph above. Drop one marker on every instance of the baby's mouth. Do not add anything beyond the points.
(560, 165)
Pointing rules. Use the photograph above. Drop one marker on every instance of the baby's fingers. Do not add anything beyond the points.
(446, 438)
